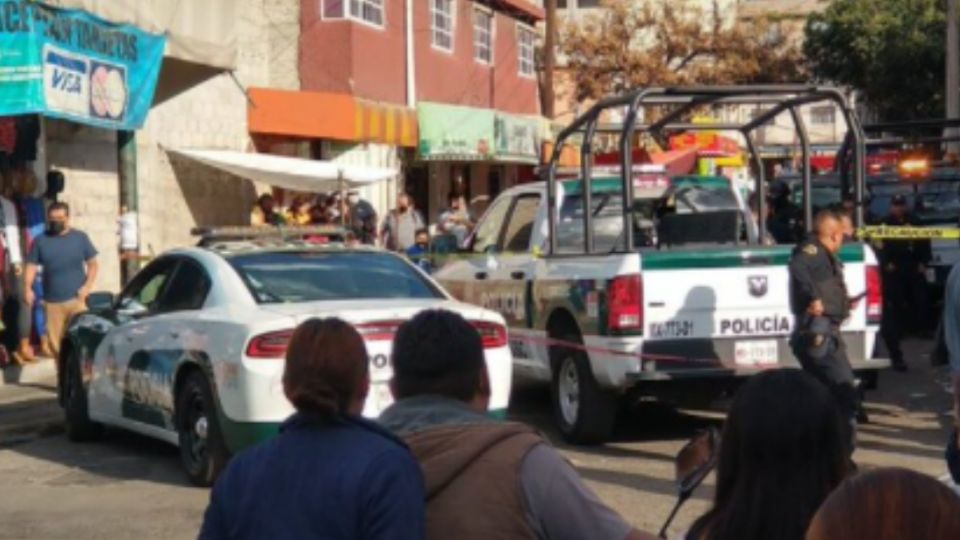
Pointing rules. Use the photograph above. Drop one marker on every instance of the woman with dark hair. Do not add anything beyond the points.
(782, 452)
(329, 473)
(888, 504)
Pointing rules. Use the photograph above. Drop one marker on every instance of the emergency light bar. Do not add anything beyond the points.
(280, 233)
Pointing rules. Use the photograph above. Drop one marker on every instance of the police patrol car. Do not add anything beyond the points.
(192, 350)
(690, 301)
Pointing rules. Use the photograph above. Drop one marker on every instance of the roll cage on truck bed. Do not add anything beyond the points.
(686, 100)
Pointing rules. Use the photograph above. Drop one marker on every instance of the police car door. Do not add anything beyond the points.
(138, 305)
(469, 276)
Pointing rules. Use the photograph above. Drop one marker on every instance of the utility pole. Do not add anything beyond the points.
(952, 92)
(549, 60)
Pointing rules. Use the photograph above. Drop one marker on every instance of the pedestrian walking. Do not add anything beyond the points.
(69, 263)
(904, 264)
(400, 227)
(820, 303)
(785, 219)
(363, 218)
(329, 473)
(484, 478)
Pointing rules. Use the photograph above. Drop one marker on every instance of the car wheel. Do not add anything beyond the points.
(79, 426)
(585, 413)
(203, 452)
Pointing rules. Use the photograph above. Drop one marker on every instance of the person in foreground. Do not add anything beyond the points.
(484, 478)
(888, 504)
(328, 474)
(783, 450)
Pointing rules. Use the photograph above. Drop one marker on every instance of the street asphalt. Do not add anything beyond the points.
(130, 487)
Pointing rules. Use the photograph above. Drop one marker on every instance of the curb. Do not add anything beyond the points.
(40, 371)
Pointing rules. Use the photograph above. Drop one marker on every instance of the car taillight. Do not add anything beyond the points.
(378, 331)
(492, 335)
(625, 304)
(874, 295)
(269, 345)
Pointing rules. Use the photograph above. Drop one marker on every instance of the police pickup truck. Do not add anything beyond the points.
(694, 300)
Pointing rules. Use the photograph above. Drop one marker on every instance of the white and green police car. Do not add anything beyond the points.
(192, 350)
(695, 300)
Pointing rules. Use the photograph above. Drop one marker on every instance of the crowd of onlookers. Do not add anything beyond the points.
(403, 229)
(435, 465)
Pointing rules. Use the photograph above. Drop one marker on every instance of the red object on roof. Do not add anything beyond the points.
(707, 144)
(676, 162)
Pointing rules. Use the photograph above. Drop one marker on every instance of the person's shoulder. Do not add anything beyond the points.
(807, 248)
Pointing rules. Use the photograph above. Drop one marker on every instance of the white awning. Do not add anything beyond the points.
(289, 172)
(201, 35)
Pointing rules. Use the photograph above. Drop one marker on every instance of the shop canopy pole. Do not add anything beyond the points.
(129, 197)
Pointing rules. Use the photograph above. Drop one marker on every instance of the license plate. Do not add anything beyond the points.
(756, 353)
(931, 275)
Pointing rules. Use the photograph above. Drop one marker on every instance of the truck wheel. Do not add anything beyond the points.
(584, 412)
(79, 426)
(202, 449)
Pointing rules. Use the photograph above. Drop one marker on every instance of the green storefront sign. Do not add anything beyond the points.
(453, 133)
(518, 138)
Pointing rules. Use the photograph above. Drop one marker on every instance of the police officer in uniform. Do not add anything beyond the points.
(820, 303)
(904, 287)
(785, 219)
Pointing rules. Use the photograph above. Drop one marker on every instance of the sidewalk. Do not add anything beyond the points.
(28, 403)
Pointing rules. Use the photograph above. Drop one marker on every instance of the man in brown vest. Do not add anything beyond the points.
(484, 478)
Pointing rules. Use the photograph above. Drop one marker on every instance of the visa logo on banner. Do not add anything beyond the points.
(66, 87)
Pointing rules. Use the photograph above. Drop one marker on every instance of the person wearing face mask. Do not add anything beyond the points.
(400, 227)
(820, 303)
(419, 253)
(70, 267)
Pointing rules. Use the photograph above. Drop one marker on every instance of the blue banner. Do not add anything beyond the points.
(69, 64)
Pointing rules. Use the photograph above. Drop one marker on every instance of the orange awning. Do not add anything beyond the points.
(676, 162)
(322, 115)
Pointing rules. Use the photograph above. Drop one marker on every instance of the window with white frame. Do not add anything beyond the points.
(365, 11)
(369, 11)
(442, 15)
(483, 36)
(525, 50)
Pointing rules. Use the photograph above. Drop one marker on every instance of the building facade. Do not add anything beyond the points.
(418, 85)
(176, 195)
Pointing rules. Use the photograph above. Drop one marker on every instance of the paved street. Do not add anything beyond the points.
(130, 487)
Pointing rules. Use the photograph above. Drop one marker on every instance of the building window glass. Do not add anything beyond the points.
(525, 49)
(823, 115)
(483, 36)
(442, 17)
(364, 11)
(369, 11)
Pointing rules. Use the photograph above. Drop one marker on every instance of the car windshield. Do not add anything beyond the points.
(307, 276)
(938, 201)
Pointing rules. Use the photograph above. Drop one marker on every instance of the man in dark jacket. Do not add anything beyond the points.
(484, 478)
(329, 474)
(904, 265)
(820, 303)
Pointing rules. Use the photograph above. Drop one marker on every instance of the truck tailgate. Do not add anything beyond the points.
(729, 304)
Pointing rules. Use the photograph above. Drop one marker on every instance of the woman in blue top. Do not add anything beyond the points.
(329, 473)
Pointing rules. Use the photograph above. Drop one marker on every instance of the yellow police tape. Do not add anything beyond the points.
(885, 232)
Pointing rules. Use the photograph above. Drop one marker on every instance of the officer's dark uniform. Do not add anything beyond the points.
(904, 288)
(785, 221)
(816, 274)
